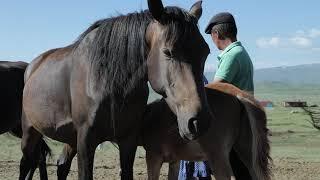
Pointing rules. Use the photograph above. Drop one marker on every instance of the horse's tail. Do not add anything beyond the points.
(260, 143)
(44, 148)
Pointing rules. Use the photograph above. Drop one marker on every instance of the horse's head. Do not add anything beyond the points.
(176, 63)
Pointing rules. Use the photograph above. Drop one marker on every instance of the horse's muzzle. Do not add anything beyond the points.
(189, 130)
(196, 128)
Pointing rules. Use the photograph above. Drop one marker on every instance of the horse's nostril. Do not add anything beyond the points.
(193, 126)
(163, 94)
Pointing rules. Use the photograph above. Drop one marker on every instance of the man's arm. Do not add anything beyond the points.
(217, 79)
(227, 70)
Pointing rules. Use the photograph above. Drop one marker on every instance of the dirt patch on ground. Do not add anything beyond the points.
(290, 169)
(107, 167)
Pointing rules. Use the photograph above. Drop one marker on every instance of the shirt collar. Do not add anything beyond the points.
(228, 48)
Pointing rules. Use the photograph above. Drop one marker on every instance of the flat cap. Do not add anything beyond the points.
(220, 18)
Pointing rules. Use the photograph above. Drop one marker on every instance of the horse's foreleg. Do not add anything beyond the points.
(218, 157)
(31, 173)
(242, 166)
(173, 173)
(219, 162)
(26, 171)
(43, 168)
(86, 149)
(128, 150)
(154, 163)
(64, 161)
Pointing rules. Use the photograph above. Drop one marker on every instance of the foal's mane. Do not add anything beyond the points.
(118, 51)
(234, 91)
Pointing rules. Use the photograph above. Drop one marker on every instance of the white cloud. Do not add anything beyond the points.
(268, 42)
(301, 41)
(314, 33)
(317, 49)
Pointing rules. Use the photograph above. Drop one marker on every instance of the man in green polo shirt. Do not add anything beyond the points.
(234, 67)
(234, 63)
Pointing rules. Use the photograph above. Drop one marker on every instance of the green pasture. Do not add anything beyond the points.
(292, 136)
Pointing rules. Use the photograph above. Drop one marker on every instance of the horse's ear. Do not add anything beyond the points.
(156, 8)
(196, 9)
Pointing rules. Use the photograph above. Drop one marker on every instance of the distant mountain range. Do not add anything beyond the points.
(301, 74)
(278, 79)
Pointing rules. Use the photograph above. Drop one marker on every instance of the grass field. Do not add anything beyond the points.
(295, 143)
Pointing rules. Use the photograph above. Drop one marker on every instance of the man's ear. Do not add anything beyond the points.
(217, 35)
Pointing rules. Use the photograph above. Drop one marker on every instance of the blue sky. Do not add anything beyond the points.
(275, 33)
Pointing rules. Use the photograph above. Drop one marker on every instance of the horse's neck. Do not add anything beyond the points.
(111, 73)
(132, 88)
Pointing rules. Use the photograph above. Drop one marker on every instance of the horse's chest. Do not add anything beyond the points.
(120, 119)
(173, 148)
(188, 151)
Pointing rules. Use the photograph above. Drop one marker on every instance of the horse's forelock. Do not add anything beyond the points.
(180, 24)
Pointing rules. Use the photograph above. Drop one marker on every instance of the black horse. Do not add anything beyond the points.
(96, 90)
(12, 80)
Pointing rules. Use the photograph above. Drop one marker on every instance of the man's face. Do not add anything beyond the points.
(216, 40)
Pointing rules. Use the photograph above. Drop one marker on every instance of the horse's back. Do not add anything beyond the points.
(34, 65)
(12, 73)
(233, 91)
(221, 101)
(11, 65)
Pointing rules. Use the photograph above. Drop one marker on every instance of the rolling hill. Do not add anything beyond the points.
(301, 74)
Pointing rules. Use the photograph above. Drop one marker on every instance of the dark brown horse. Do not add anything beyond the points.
(11, 89)
(240, 124)
(95, 90)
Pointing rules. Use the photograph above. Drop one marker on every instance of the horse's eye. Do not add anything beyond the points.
(167, 53)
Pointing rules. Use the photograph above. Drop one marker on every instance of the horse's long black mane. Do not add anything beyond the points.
(118, 51)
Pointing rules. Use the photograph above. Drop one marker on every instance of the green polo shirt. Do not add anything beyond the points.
(235, 67)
